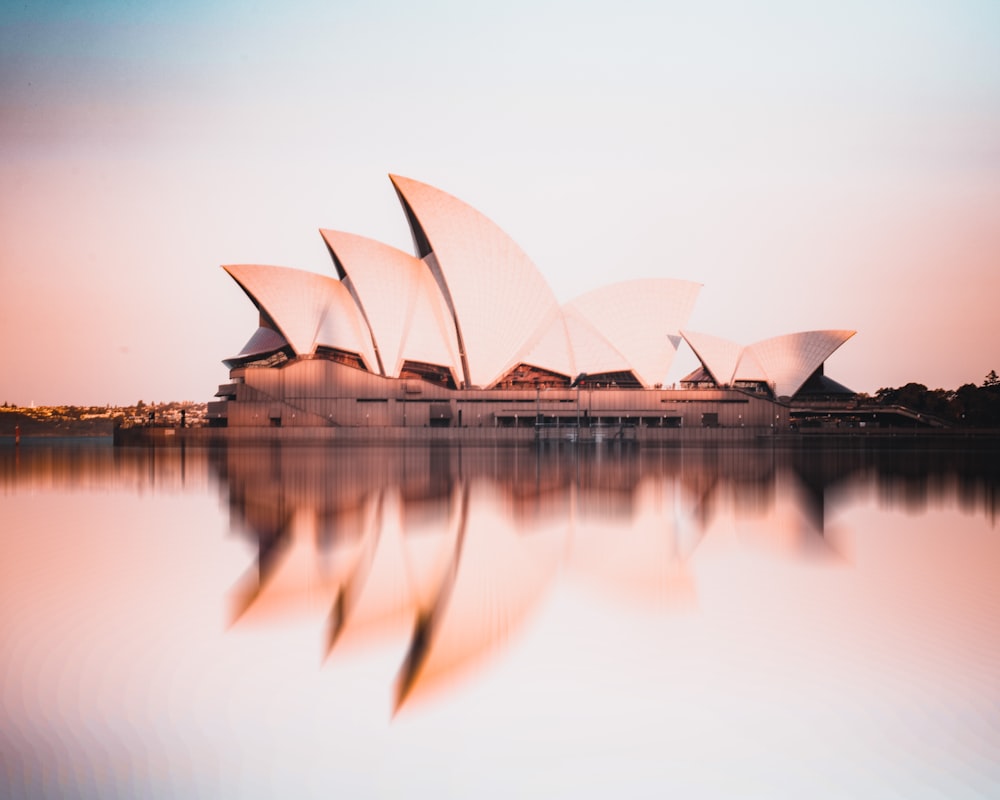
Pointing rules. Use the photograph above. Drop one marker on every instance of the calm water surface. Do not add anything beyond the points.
(429, 622)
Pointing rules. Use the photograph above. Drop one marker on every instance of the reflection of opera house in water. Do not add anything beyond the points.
(467, 335)
(449, 552)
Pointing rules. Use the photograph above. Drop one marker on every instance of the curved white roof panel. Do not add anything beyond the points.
(306, 308)
(549, 348)
(473, 303)
(592, 353)
(264, 341)
(498, 298)
(789, 360)
(642, 320)
(749, 368)
(343, 327)
(570, 345)
(719, 356)
(400, 300)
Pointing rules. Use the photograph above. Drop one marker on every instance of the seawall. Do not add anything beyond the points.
(399, 436)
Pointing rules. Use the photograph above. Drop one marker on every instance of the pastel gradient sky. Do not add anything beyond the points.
(831, 165)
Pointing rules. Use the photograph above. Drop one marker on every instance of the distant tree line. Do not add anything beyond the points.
(970, 405)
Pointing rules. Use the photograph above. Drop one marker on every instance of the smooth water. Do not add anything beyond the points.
(496, 622)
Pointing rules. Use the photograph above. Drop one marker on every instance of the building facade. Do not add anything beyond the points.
(466, 333)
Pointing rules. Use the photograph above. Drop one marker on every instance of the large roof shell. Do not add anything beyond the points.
(342, 326)
(749, 368)
(569, 344)
(789, 360)
(783, 362)
(593, 354)
(472, 302)
(642, 320)
(498, 298)
(264, 341)
(309, 310)
(399, 298)
(549, 348)
(719, 356)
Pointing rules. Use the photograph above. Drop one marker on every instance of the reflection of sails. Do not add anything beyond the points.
(461, 571)
(401, 567)
(298, 567)
(642, 556)
(498, 573)
(453, 549)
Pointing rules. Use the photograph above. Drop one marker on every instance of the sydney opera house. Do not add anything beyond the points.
(465, 333)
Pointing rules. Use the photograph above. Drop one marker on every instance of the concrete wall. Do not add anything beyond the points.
(318, 393)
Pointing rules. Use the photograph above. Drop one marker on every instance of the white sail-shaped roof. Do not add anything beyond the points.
(309, 310)
(499, 575)
(498, 298)
(719, 356)
(592, 353)
(399, 298)
(342, 327)
(471, 302)
(749, 368)
(789, 360)
(549, 348)
(642, 319)
(264, 341)
(570, 345)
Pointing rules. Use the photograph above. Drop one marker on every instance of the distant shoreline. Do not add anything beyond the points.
(44, 428)
(521, 437)
(83, 421)
(46, 425)
(172, 438)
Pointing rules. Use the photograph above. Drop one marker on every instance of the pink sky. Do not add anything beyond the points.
(835, 169)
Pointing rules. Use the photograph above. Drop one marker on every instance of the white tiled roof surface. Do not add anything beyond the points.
(500, 298)
(719, 356)
(308, 309)
(550, 347)
(263, 341)
(400, 299)
(638, 318)
(472, 285)
(789, 360)
(592, 352)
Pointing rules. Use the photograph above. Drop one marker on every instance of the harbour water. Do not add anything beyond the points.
(549, 621)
